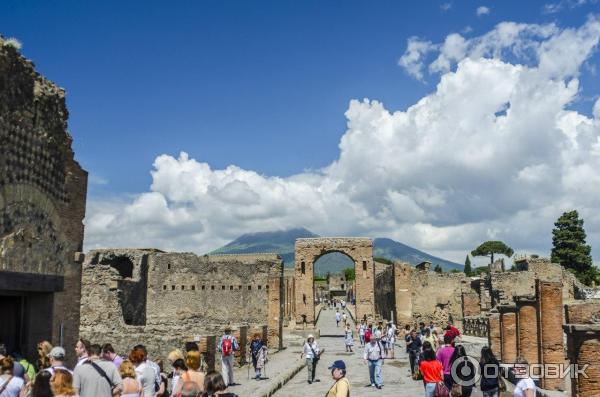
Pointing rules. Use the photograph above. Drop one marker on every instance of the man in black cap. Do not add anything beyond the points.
(341, 387)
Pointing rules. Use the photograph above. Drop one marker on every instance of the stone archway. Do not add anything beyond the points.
(309, 250)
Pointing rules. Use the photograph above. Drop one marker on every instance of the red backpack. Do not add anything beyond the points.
(227, 347)
(368, 335)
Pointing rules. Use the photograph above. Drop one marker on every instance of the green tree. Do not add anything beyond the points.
(468, 270)
(570, 250)
(349, 273)
(437, 269)
(489, 248)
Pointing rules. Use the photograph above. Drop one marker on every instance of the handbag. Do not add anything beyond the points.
(441, 390)
(456, 391)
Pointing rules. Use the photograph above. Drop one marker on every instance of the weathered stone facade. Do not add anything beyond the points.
(42, 205)
(309, 250)
(165, 299)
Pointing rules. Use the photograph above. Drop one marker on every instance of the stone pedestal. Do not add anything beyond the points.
(583, 342)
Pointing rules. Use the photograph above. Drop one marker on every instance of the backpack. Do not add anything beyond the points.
(368, 334)
(227, 347)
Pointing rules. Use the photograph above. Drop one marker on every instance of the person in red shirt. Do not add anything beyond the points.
(452, 332)
(431, 369)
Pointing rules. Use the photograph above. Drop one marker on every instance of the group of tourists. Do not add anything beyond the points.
(101, 372)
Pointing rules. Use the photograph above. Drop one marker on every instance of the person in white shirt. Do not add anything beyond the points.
(373, 356)
(362, 327)
(525, 387)
(391, 339)
(312, 352)
(57, 357)
(10, 386)
(82, 348)
(338, 318)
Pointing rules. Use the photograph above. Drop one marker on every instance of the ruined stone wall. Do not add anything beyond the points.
(385, 298)
(42, 203)
(438, 297)
(185, 297)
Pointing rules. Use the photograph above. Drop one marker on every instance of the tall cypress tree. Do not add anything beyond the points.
(468, 269)
(569, 247)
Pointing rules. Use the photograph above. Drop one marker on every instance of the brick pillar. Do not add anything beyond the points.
(265, 335)
(402, 293)
(305, 299)
(550, 322)
(583, 341)
(211, 352)
(494, 334)
(527, 329)
(365, 287)
(508, 332)
(274, 310)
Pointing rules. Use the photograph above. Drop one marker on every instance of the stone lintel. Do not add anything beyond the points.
(584, 328)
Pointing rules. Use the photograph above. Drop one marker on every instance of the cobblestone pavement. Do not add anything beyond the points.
(396, 372)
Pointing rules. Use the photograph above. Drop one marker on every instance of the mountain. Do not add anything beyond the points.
(282, 243)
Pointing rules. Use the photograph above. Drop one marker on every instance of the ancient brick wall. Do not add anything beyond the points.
(550, 322)
(494, 334)
(186, 297)
(583, 312)
(508, 334)
(527, 330)
(42, 201)
(403, 292)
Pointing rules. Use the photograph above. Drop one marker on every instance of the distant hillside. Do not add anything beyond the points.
(282, 243)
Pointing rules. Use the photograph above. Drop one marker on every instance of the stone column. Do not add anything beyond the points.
(550, 322)
(494, 334)
(583, 341)
(365, 287)
(274, 310)
(211, 352)
(402, 293)
(527, 329)
(305, 299)
(508, 332)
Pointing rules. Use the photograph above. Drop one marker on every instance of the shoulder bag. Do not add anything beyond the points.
(441, 390)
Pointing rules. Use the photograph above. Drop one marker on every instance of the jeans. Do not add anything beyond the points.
(491, 393)
(412, 358)
(311, 366)
(429, 389)
(362, 339)
(227, 369)
(375, 372)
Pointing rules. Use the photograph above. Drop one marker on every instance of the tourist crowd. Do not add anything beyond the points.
(101, 372)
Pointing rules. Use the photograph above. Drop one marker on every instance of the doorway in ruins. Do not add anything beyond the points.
(311, 260)
(334, 277)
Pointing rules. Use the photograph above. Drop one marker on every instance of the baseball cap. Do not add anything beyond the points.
(338, 364)
(57, 352)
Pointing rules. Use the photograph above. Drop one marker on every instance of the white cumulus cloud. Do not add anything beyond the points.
(482, 10)
(493, 152)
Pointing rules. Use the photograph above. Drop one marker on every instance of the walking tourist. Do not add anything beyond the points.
(345, 318)
(82, 348)
(464, 370)
(144, 371)
(453, 332)
(373, 357)
(413, 344)
(407, 335)
(490, 371)
(258, 351)
(431, 370)
(432, 339)
(368, 333)
(10, 385)
(391, 339)
(338, 317)
(95, 377)
(164, 380)
(341, 387)
(40, 387)
(444, 355)
(192, 374)
(348, 338)
(173, 357)
(228, 344)
(29, 368)
(525, 386)
(422, 329)
(362, 327)
(312, 352)
(431, 326)
(18, 370)
(61, 383)
(178, 369)
(152, 365)
(214, 386)
(132, 387)
(57, 357)
(43, 349)
(108, 354)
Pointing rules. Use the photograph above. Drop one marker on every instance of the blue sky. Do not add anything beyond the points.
(261, 85)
